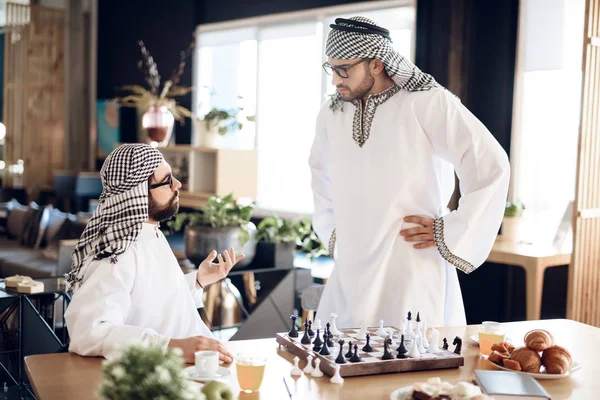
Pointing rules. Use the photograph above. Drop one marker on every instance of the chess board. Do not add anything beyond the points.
(372, 363)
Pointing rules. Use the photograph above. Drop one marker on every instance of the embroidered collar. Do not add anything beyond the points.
(361, 126)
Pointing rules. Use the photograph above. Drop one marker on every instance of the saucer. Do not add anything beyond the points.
(221, 373)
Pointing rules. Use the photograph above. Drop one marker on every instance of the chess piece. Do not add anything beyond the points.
(433, 346)
(414, 352)
(329, 337)
(402, 350)
(445, 346)
(362, 333)
(305, 337)
(349, 353)
(367, 347)
(458, 343)
(311, 333)
(296, 371)
(391, 335)
(317, 373)
(334, 330)
(325, 348)
(309, 368)
(293, 333)
(387, 354)
(408, 333)
(317, 342)
(337, 378)
(355, 357)
(424, 334)
(318, 324)
(418, 317)
(420, 347)
(381, 331)
(340, 358)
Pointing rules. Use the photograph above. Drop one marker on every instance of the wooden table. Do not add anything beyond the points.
(66, 376)
(534, 259)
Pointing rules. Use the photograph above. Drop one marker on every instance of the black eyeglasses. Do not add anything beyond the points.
(169, 182)
(342, 72)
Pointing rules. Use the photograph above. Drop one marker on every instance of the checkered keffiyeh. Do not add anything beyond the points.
(122, 208)
(360, 37)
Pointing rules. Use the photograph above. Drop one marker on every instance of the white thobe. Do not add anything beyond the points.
(411, 144)
(143, 298)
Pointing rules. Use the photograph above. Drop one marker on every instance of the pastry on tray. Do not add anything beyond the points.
(30, 287)
(435, 389)
(497, 357)
(539, 339)
(557, 360)
(529, 360)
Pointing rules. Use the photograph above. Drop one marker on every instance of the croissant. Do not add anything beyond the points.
(503, 348)
(538, 340)
(511, 364)
(557, 360)
(497, 357)
(529, 360)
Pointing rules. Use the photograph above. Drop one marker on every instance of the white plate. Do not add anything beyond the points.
(475, 339)
(543, 375)
(402, 393)
(221, 373)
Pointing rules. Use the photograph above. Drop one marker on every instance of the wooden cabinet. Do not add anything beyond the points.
(206, 171)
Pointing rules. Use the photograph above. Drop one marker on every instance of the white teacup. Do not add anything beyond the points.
(207, 363)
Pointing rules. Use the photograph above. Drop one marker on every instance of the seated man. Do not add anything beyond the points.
(127, 284)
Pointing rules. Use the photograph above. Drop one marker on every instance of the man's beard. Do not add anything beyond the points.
(159, 213)
(361, 91)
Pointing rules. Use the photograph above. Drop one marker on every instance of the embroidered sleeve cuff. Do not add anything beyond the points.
(438, 237)
(332, 240)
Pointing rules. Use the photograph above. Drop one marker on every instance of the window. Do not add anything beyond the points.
(271, 66)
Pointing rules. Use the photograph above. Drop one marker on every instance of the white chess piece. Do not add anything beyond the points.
(309, 368)
(414, 351)
(334, 330)
(424, 334)
(296, 371)
(381, 331)
(317, 324)
(433, 346)
(337, 378)
(420, 347)
(317, 373)
(391, 335)
(362, 333)
(408, 333)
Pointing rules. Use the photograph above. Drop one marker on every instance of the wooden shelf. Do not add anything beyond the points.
(193, 200)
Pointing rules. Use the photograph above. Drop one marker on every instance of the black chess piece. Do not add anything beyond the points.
(458, 343)
(305, 337)
(445, 346)
(294, 331)
(349, 353)
(418, 317)
(409, 316)
(402, 350)
(340, 358)
(311, 333)
(355, 357)
(329, 337)
(317, 343)
(325, 348)
(367, 347)
(387, 355)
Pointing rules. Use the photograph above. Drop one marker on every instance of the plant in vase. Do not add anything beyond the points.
(277, 240)
(512, 220)
(159, 105)
(221, 224)
(219, 122)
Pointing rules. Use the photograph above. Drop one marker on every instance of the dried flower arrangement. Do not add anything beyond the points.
(143, 98)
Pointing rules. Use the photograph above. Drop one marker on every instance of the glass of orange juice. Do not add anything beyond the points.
(490, 333)
(250, 371)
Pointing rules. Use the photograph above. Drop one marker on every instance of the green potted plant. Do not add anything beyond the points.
(511, 222)
(221, 224)
(219, 122)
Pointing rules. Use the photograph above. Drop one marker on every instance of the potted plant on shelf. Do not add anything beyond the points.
(221, 224)
(219, 122)
(512, 220)
(277, 240)
(159, 108)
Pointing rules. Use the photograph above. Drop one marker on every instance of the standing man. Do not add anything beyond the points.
(382, 163)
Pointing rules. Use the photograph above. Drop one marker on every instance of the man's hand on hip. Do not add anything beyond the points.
(422, 234)
(196, 343)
